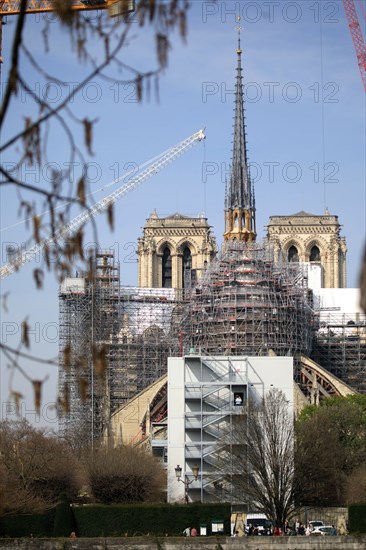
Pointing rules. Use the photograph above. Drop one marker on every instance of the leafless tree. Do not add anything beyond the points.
(125, 474)
(36, 469)
(262, 461)
(355, 489)
(26, 140)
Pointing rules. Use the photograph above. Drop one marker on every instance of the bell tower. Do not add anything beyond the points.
(239, 199)
(174, 251)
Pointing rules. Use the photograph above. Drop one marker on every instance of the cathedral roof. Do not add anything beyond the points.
(176, 220)
(178, 216)
(303, 213)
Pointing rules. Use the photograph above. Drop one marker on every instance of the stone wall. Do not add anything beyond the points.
(178, 543)
(330, 516)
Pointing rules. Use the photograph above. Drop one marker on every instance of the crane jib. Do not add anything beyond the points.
(101, 206)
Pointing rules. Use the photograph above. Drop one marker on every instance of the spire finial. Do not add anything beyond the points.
(238, 28)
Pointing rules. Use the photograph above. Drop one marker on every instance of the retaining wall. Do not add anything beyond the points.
(200, 543)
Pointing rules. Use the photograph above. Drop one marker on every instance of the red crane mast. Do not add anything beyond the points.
(357, 37)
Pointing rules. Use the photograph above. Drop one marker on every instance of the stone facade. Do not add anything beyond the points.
(305, 237)
(173, 248)
(126, 422)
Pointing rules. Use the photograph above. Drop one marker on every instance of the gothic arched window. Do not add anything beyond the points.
(166, 269)
(315, 254)
(293, 254)
(186, 265)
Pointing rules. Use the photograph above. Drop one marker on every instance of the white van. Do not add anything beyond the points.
(260, 521)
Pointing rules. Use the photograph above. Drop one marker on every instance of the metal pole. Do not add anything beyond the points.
(186, 483)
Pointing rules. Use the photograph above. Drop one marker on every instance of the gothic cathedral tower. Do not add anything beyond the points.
(239, 200)
(174, 251)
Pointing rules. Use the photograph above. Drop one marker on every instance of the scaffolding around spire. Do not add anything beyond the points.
(239, 200)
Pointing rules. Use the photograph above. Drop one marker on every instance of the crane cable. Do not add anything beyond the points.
(113, 182)
(323, 113)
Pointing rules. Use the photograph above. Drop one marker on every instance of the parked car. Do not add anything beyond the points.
(259, 521)
(324, 530)
(316, 523)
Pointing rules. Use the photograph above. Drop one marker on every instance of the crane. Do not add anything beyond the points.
(157, 165)
(12, 7)
(357, 37)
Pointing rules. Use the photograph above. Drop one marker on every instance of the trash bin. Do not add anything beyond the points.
(203, 529)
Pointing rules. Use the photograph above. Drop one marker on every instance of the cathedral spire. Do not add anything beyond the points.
(239, 200)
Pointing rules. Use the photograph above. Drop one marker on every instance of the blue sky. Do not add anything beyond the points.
(292, 52)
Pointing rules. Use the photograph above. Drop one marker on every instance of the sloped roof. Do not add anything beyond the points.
(303, 213)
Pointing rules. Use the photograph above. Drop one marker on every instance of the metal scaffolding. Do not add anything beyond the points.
(114, 342)
(145, 337)
(246, 304)
(340, 347)
(212, 411)
(89, 323)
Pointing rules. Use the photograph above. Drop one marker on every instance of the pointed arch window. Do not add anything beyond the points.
(293, 254)
(315, 254)
(186, 265)
(166, 268)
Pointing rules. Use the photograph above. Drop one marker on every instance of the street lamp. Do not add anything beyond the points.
(186, 481)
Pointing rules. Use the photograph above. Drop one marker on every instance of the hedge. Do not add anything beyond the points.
(64, 522)
(117, 520)
(141, 519)
(38, 525)
(357, 518)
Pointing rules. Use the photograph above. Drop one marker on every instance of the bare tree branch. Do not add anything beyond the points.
(13, 73)
(262, 461)
(63, 190)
